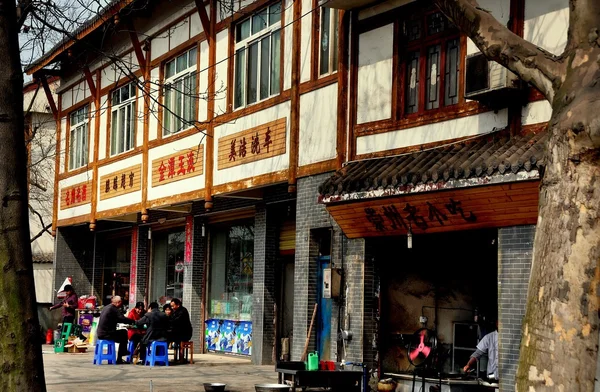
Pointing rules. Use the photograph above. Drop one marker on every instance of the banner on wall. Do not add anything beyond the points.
(133, 267)
(189, 228)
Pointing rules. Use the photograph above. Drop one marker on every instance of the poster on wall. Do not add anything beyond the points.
(243, 344)
(228, 338)
(212, 334)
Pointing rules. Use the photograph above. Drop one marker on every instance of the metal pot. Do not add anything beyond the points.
(214, 387)
(271, 387)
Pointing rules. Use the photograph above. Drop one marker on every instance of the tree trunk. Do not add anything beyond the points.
(559, 347)
(21, 367)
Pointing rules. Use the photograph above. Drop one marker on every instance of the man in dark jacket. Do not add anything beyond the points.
(107, 326)
(157, 325)
(181, 326)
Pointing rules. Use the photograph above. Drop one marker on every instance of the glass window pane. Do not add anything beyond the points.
(242, 30)
(432, 99)
(260, 21)
(132, 90)
(72, 150)
(325, 38)
(167, 105)
(275, 61)
(412, 83)
(192, 57)
(114, 133)
(130, 126)
(252, 73)
(84, 150)
(452, 72)
(274, 13)
(265, 60)
(413, 29)
(188, 99)
(177, 107)
(240, 61)
(122, 130)
(170, 69)
(181, 63)
(115, 99)
(334, 42)
(436, 23)
(124, 93)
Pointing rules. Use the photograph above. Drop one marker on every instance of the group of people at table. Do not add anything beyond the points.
(171, 324)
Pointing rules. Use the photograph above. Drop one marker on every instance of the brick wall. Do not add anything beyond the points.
(515, 250)
(347, 253)
(193, 285)
(74, 257)
(142, 266)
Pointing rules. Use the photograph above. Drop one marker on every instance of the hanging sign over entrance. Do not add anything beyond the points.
(189, 229)
(431, 212)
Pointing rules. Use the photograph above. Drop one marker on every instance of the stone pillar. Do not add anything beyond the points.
(193, 284)
(515, 251)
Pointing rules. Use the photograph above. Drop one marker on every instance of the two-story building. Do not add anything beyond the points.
(257, 157)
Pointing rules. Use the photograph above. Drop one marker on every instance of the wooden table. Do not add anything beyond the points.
(337, 380)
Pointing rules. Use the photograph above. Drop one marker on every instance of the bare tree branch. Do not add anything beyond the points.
(542, 69)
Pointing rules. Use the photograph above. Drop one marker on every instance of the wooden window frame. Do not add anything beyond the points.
(131, 100)
(245, 44)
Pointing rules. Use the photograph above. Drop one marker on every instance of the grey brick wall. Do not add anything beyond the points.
(74, 257)
(515, 250)
(193, 280)
(347, 253)
(142, 266)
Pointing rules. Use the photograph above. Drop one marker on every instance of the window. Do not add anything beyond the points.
(123, 119)
(328, 43)
(257, 56)
(78, 138)
(432, 61)
(180, 92)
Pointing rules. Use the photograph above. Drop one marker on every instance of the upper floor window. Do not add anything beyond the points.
(328, 42)
(78, 138)
(123, 117)
(257, 56)
(180, 92)
(432, 62)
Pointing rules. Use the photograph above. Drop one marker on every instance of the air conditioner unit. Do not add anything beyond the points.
(490, 82)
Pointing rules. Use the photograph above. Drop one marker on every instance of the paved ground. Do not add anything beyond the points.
(75, 372)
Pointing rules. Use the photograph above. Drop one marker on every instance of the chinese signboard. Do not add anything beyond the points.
(189, 229)
(265, 141)
(75, 195)
(433, 212)
(178, 166)
(121, 182)
(133, 268)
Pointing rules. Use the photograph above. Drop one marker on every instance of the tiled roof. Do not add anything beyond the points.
(473, 162)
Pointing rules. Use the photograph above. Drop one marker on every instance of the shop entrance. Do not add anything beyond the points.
(115, 276)
(166, 281)
(446, 283)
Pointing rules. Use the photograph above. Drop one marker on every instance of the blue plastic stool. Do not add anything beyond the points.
(111, 352)
(130, 348)
(158, 352)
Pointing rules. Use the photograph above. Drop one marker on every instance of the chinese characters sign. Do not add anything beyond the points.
(491, 206)
(178, 166)
(189, 229)
(133, 267)
(76, 195)
(265, 141)
(121, 182)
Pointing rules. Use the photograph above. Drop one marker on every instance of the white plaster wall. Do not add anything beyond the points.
(536, 112)
(287, 43)
(180, 33)
(381, 8)
(63, 145)
(203, 83)
(92, 128)
(547, 23)
(221, 72)
(167, 13)
(102, 138)
(195, 24)
(123, 200)
(79, 210)
(305, 40)
(154, 91)
(139, 111)
(500, 9)
(318, 125)
(80, 92)
(268, 165)
(160, 45)
(452, 129)
(66, 99)
(190, 184)
(375, 55)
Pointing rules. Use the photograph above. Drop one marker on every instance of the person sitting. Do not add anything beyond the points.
(135, 335)
(167, 309)
(181, 326)
(107, 326)
(157, 325)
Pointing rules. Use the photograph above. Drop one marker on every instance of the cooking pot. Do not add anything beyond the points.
(214, 387)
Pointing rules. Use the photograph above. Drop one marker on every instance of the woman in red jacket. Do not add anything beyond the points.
(135, 335)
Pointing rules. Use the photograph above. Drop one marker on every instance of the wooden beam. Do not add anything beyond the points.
(342, 111)
(210, 130)
(49, 96)
(90, 81)
(204, 19)
(137, 47)
(295, 98)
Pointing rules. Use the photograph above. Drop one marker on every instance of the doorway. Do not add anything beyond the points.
(115, 274)
(168, 252)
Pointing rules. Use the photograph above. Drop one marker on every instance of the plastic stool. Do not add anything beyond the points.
(158, 352)
(130, 348)
(111, 352)
(65, 331)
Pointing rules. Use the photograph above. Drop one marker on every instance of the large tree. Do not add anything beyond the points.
(559, 346)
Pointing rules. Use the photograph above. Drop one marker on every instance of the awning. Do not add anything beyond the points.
(489, 181)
